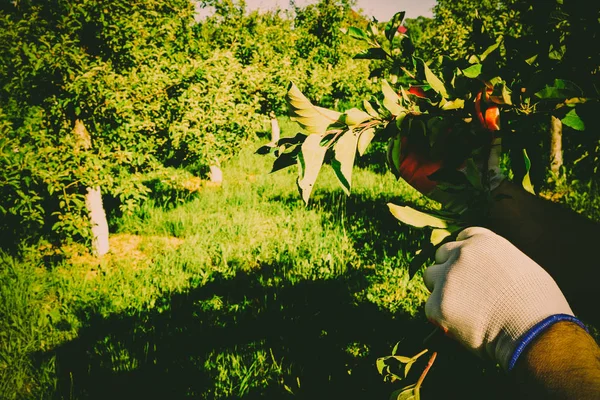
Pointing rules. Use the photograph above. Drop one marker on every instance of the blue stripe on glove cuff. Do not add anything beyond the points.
(535, 332)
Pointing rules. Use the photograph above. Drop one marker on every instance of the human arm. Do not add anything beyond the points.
(564, 362)
(492, 298)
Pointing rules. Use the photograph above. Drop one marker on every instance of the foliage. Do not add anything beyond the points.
(153, 88)
(452, 110)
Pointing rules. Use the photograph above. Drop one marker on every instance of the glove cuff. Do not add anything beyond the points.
(534, 332)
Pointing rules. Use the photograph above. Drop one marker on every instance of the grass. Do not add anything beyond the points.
(242, 292)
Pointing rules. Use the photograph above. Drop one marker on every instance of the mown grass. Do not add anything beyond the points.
(242, 292)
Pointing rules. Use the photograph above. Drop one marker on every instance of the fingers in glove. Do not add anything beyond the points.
(472, 231)
(445, 251)
(434, 275)
(433, 310)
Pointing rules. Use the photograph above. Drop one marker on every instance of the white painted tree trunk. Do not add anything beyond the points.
(275, 132)
(93, 198)
(216, 175)
(556, 152)
(93, 202)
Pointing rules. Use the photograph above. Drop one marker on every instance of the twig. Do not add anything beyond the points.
(407, 72)
(431, 335)
(426, 370)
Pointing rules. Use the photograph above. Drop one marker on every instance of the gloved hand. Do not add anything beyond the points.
(487, 294)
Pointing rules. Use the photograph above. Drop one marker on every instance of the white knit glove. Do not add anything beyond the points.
(487, 294)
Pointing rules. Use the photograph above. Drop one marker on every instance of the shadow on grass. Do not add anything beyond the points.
(374, 232)
(317, 339)
(307, 326)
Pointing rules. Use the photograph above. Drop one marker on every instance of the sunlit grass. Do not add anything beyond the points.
(253, 229)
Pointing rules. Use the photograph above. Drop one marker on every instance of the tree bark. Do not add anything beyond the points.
(556, 153)
(275, 131)
(93, 198)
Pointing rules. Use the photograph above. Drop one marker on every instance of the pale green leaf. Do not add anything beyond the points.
(416, 218)
(395, 349)
(313, 119)
(354, 116)
(310, 160)
(407, 368)
(408, 393)
(343, 159)
(370, 110)
(365, 139)
(380, 363)
(403, 359)
(373, 29)
(435, 82)
(531, 59)
(455, 104)
(438, 236)
(404, 95)
(391, 99)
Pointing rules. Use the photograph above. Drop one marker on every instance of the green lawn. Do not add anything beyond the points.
(241, 292)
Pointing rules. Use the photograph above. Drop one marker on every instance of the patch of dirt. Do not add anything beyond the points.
(134, 249)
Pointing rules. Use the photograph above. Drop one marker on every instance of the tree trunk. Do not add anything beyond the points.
(556, 153)
(93, 202)
(275, 132)
(93, 198)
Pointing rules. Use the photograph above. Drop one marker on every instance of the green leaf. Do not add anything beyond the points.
(392, 26)
(374, 53)
(438, 236)
(310, 160)
(473, 71)
(561, 89)
(373, 29)
(365, 139)
(435, 82)
(419, 260)
(557, 52)
(354, 116)
(393, 154)
(395, 349)
(573, 121)
(473, 175)
(531, 59)
(357, 33)
(455, 104)
(408, 393)
(343, 159)
(403, 359)
(526, 179)
(416, 218)
(391, 99)
(380, 364)
(407, 368)
(315, 120)
(370, 109)
(501, 94)
(436, 126)
(490, 50)
(286, 159)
